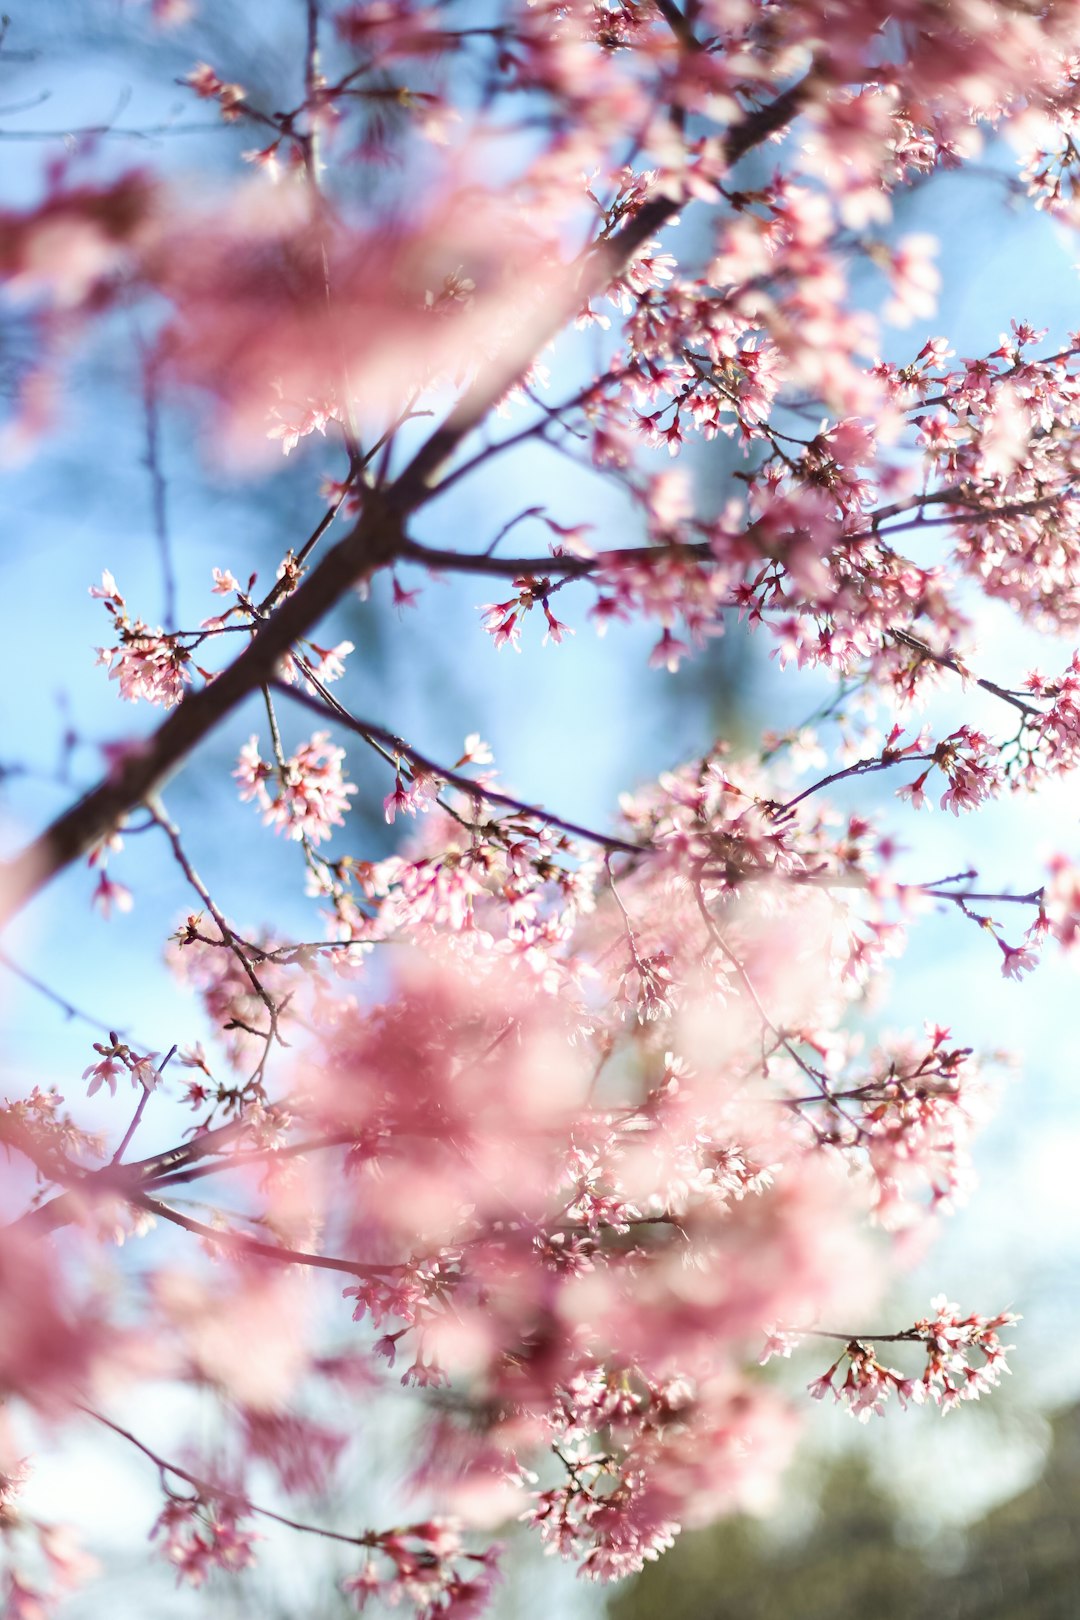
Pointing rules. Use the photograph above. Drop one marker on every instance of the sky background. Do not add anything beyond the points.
(570, 727)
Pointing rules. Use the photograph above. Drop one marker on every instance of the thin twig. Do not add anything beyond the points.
(950, 661)
(211, 1492)
(157, 811)
(68, 1008)
(133, 1127)
(862, 767)
(368, 729)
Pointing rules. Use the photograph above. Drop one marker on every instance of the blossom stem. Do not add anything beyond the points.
(212, 1492)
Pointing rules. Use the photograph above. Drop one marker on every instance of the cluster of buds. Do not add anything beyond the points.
(209, 87)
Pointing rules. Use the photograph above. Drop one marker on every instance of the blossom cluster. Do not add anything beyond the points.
(309, 796)
(429, 1566)
(201, 1533)
(948, 1376)
(147, 663)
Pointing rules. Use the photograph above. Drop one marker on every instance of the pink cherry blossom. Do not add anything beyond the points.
(309, 795)
(576, 1113)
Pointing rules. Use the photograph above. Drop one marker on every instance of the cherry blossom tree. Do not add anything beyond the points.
(576, 1116)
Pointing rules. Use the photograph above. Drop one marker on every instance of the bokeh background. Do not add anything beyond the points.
(908, 1517)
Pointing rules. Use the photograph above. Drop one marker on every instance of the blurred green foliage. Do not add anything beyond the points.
(1021, 1560)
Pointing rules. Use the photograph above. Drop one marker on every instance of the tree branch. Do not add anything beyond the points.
(464, 784)
(256, 1247)
(374, 541)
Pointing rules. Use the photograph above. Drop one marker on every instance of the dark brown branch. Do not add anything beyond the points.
(373, 542)
(370, 544)
(68, 1008)
(861, 767)
(678, 24)
(267, 1156)
(908, 1336)
(569, 566)
(566, 565)
(607, 259)
(255, 1247)
(950, 661)
(118, 1180)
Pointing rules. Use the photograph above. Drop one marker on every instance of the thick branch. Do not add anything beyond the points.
(374, 541)
(150, 764)
(607, 259)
